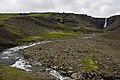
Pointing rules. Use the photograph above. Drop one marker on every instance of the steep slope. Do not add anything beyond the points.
(89, 53)
(37, 26)
(113, 28)
(113, 23)
(7, 38)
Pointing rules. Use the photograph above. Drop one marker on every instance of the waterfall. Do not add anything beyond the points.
(105, 24)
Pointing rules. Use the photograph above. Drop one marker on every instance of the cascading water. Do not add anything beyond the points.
(105, 24)
(13, 57)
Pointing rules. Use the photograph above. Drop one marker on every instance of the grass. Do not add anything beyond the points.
(88, 61)
(31, 38)
(56, 16)
(14, 30)
(77, 27)
(9, 73)
(114, 35)
(5, 16)
(75, 18)
(37, 34)
(53, 34)
(89, 64)
(40, 14)
(62, 25)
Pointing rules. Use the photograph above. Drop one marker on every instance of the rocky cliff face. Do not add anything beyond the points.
(113, 28)
(98, 22)
(113, 23)
(82, 19)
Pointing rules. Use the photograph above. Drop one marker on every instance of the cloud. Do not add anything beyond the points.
(98, 8)
(26, 5)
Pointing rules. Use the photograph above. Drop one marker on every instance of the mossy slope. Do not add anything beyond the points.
(38, 26)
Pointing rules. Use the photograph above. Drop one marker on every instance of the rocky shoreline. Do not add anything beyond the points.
(79, 58)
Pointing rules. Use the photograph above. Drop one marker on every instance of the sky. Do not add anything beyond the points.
(96, 8)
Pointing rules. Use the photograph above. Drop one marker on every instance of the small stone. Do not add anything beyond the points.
(96, 61)
(67, 78)
(70, 71)
(80, 65)
(55, 67)
(74, 75)
(70, 68)
(38, 63)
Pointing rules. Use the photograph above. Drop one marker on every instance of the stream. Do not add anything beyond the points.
(13, 58)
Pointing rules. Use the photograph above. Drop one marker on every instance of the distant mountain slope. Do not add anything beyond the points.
(113, 23)
(16, 28)
(36, 24)
(113, 28)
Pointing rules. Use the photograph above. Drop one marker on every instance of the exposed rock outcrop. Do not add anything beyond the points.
(113, 23)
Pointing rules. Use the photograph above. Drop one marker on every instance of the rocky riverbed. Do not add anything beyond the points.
(79, 57)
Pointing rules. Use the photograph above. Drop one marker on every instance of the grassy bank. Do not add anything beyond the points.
(9, 73)
(5, 16)
(53, 34)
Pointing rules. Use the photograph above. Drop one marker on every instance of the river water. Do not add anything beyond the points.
(13, 58)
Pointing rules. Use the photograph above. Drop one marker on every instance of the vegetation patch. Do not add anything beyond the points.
(62, 25)
(114, 35)
(13, 29)
(55, 34)
(93, 52)
(77, 27)
(56, 16)
(40, 14)
(9, 73)
(31, 38)
(6, 16)
(75, 18)
(89, 64)
(49, 35)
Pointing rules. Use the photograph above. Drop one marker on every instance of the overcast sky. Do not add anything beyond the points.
(98, 8)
